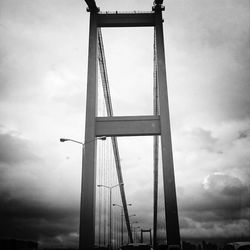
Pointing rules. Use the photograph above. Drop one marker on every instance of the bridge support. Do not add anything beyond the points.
(88, 190)
(146, 231)
(139, 126)
(171, 213)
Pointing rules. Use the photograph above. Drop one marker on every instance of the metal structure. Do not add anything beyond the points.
(110, 209)
(112, 126)
(105, 83)
(146, 231)
(122, 215)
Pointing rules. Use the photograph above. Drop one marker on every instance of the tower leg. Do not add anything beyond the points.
(88, 190)
(171, 213)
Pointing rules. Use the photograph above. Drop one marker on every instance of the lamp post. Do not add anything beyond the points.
(81, 232)
(110, 209)
(116, 205)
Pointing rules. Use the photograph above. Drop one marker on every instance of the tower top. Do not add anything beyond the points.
(92, 6)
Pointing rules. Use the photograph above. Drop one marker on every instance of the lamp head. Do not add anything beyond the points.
(103, 138)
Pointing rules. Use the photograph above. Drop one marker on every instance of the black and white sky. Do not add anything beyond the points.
(43, 76)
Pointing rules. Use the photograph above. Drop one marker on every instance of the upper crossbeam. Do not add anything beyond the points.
(126, 19)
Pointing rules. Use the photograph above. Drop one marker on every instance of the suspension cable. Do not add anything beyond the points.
(107, 96)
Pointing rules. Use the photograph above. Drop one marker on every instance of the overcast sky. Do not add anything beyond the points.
(42, 98)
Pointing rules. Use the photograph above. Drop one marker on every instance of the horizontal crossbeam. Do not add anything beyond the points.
(128, 126)
(126, 20)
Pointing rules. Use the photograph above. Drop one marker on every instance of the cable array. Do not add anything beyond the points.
(108, 217)
(107, 177)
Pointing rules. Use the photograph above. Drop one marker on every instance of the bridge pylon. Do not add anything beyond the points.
(113, 126)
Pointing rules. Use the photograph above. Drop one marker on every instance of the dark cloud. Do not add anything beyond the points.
(25, 212)
(222, 204)
(225, 184)
(186, 223)
(38, 221)
(221, 207)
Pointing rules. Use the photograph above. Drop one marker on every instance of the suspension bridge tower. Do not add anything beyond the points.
(157, 125)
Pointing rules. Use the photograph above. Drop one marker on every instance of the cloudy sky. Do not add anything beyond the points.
(43, 92)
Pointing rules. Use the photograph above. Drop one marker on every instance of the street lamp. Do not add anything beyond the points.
(116, 205)
(97, 138)
(81, 232)
(110, 209)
